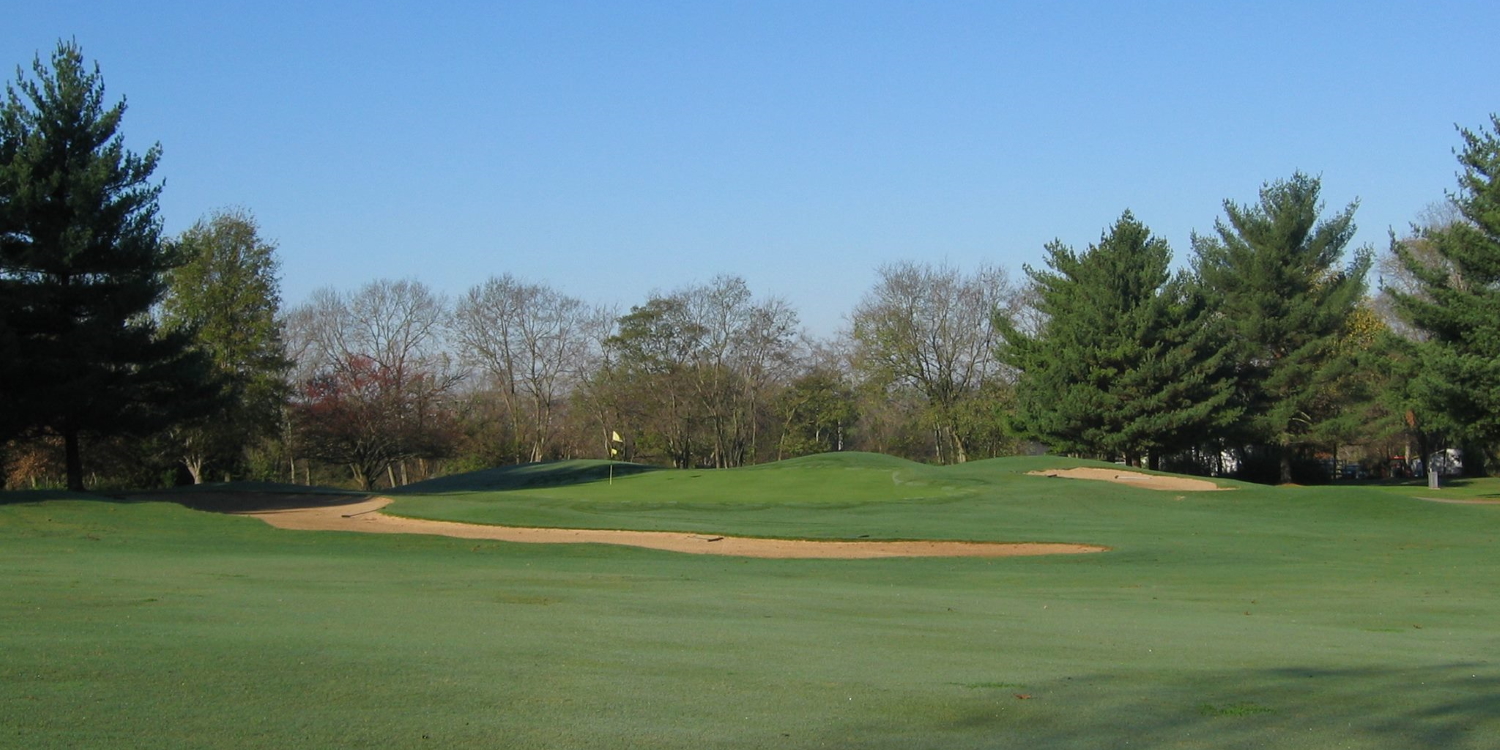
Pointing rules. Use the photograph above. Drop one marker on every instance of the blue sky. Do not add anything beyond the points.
(610, 149)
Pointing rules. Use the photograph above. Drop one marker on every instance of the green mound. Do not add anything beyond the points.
(842, 460)
(825, 496)
(239, 497)
(279, 488)
(523, 476)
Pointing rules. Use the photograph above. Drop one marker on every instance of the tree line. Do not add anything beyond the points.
(130, 357)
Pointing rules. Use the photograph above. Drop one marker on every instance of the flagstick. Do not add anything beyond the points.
(614, 437)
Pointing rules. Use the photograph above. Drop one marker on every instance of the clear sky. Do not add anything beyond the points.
(610, 149)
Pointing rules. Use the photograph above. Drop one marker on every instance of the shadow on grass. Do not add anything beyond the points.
(243, 497)
(232, 497)
(1474, 488)
(1471, 484)
(1453, 705)
(17, 497)
(525, 476)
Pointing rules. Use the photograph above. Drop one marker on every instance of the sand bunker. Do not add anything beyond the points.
(1134, 479)
(365, 516)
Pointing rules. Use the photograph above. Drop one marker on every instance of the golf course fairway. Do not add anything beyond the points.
(1345, 616)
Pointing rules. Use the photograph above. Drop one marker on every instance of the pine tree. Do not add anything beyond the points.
(1126, 361)
(1457, 300)
(1273, 276)
(81, 265)
(10, 371)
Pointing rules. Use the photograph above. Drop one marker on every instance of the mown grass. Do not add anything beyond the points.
(1452, 488)
(1259, 617)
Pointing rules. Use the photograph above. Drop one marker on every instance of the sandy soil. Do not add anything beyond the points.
(365, 516)
(1134, 479)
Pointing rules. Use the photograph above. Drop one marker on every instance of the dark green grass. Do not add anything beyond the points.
(1300, 618)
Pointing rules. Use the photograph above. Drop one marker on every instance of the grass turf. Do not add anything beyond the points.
(1299, 618)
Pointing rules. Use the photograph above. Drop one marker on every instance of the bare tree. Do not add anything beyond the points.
(929, 328)
(1396, 278)
(742, 348)
(697, 366)
(535, 343)
(771, 347)
(374, 375)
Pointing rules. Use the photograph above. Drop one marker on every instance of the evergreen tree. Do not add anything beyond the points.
(1273, 276)
(1456, 302)
(227, 297)
(81, 265)
(9, 375)
(1126, 361)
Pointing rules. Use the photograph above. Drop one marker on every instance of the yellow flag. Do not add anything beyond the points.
(615, 436)
(613, 452)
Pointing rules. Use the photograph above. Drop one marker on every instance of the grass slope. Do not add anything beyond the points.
(830, 496)
(1297, 618)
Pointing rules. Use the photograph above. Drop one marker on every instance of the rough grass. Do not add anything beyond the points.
(1299, 618)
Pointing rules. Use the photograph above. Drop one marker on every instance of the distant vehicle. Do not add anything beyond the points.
(1448, 463)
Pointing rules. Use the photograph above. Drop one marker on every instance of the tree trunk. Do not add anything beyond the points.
(364, 475)
(1286, 465)
(513, 408)
(960, 452)
(754, 433)
(194, 466)
(73, 461)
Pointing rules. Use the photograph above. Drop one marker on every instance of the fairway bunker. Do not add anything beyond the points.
(364, 517)
(1134, 479)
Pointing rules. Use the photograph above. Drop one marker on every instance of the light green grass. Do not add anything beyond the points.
(1298, 618)
(1453, 488)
